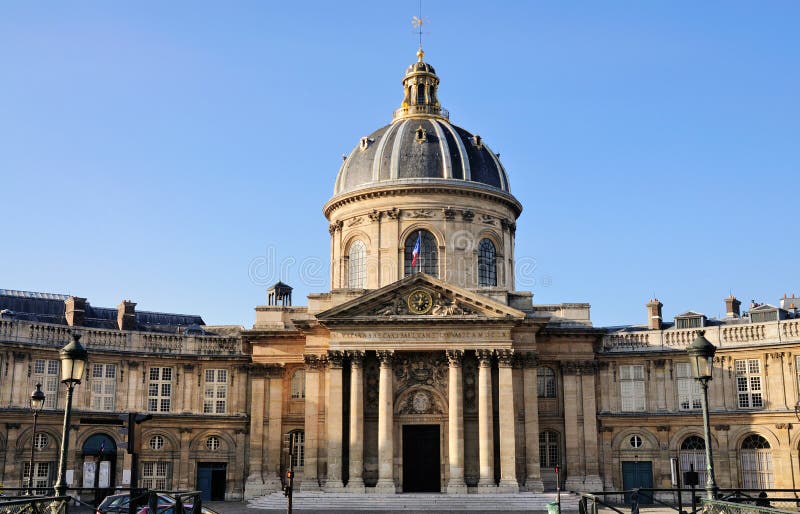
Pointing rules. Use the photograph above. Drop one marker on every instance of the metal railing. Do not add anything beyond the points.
(35, 505)
(727, 507)
(691, 501)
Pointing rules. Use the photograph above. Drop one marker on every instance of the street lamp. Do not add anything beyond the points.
(37, 404)
(701, 352)
(73, 361)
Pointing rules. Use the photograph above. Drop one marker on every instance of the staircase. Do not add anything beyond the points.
(416, 502)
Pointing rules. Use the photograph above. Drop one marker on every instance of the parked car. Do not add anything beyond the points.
(119, 503)
(169, 508)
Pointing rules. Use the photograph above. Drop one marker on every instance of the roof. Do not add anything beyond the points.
(50, 308)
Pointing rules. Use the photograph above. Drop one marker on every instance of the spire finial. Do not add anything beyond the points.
(417, 22)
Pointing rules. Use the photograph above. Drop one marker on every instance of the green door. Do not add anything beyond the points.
(638, 475)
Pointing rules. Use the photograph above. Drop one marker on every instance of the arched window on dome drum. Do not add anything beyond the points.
(357, 265)
(420, 94)
(427, 261)
(756, 463)
(693, 455)
(487, 263)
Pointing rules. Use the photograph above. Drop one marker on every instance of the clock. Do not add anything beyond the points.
(420, 301)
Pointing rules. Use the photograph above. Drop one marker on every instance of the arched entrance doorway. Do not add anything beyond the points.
(99, 465)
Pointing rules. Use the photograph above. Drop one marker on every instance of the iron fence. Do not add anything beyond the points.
(35, 505)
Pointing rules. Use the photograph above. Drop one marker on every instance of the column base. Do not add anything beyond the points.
(456, 487)
(355, 485)
(593, 483)
(487, 487)
(310, 484)
(385, 486)
(508, 486)
(534, 485)
(334, 486)
(255, 486)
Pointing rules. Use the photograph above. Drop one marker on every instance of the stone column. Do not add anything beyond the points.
(254, 485)
(356, 482)
(574, 481)
(385, 425)
(10, 474)
(310, 481)
(533, 480)
(591, 455)
(334, 421)
(507, 423)
(272, 469)
(185, 472)
(485, 426)
(455, 410)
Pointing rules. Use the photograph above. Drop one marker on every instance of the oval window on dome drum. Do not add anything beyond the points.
(421, 254)
(357, 265)
(487, 263)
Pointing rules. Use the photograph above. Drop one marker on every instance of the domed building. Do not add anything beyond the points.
(419, 370)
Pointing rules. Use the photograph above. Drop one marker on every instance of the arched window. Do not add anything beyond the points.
(487, 263)
(548, 449)
(423, 244)
(297, 440)
(357, 265)
(756, 462)
(545, 382)
(693, 456)
(299, 384)
(420, 94)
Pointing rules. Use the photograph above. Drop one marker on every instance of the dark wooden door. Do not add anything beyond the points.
(637, 475)
(421, 462)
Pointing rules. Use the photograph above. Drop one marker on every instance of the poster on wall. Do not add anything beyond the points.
(88, 473)
(105, 474)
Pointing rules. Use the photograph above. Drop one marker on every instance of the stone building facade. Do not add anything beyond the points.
(422, 369)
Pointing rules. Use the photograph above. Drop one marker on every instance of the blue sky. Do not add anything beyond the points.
(166, 152)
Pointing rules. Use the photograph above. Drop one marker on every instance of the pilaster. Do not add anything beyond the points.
(533, 479)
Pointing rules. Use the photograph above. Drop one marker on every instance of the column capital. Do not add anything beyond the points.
(484, 357)
(386, 357)
(356, 357)
(335, 358)
(505, 358)
(579, 367)
(314, 362)
(455, 357)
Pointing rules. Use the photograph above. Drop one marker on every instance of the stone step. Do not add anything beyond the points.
(306, 500)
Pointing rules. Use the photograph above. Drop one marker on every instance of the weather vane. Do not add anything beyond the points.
(417, 22)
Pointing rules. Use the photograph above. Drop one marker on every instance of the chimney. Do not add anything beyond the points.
(126, 315)
(75, 311)
(790, 304)
(732, 307)
(654, 314)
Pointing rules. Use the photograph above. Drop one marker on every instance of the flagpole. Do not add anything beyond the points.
(419, 265)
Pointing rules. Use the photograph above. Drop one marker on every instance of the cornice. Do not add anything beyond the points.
(452, 187)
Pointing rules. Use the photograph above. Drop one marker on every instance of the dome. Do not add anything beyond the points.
(421, 146)
(414, 150)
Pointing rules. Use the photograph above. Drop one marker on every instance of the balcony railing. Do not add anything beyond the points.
(721, 336)
(55, 336)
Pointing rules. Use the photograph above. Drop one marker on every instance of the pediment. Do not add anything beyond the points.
(420, 297)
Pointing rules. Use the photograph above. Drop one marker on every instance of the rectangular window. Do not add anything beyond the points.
(155, 475)
(631, 380)
(215, 397)
(159, 390)
(689, 322)
(689, 392)
(45, 372)
(748, 384)
(41, 477)
(104, 386)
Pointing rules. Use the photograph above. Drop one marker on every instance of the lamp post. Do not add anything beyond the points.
(73, 361)
(37, 404)
(701, 353)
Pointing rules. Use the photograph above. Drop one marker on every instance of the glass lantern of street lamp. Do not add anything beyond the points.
(701, 352)
(37, 399)
(73, 361)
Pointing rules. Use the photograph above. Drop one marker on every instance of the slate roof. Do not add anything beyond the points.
(50, 308)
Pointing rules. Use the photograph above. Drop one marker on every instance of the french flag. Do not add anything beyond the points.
(415, 251)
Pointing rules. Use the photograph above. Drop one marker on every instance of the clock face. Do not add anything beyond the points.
(420, 301)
